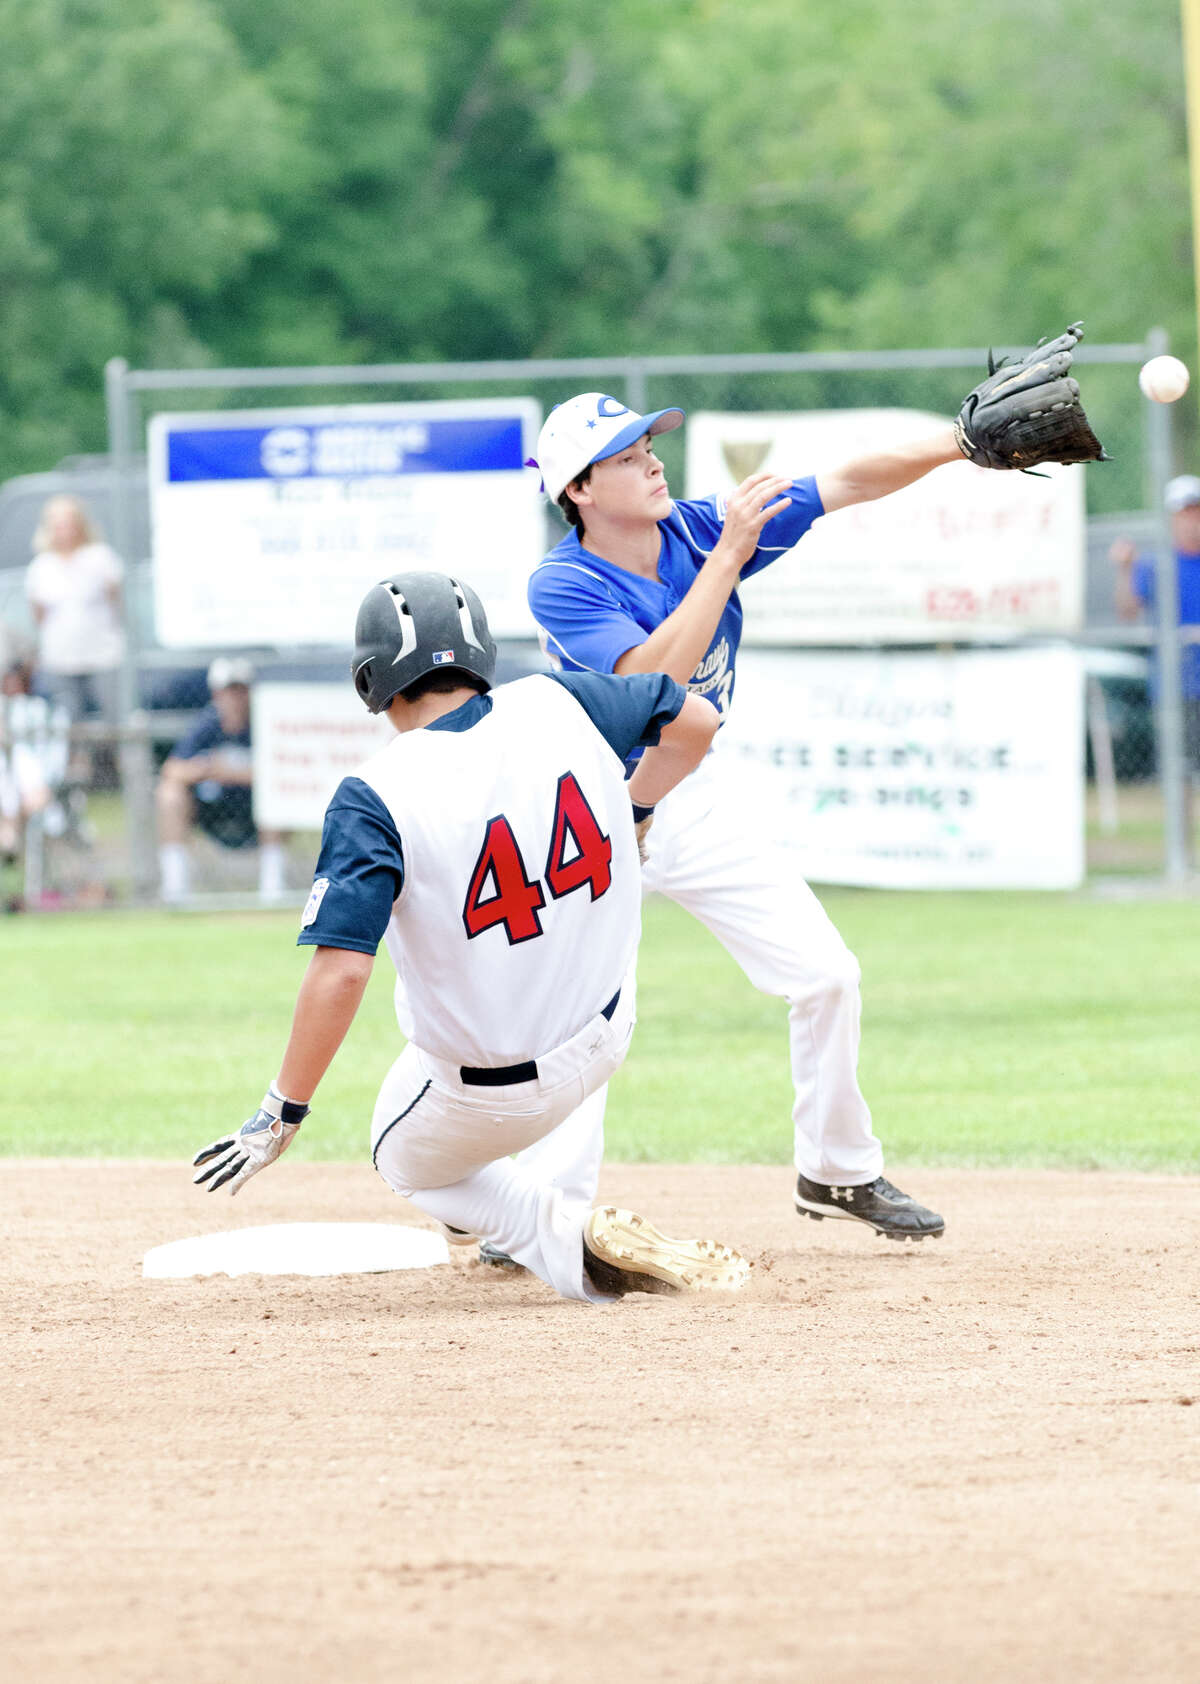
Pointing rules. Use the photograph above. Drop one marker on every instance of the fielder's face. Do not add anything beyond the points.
(629, 486)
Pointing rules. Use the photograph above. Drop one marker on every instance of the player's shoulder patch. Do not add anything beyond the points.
(313, 904)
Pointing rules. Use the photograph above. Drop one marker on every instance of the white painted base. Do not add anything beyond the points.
(299, 1248)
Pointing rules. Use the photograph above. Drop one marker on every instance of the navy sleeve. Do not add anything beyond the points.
(360, 871)
(205, 734)
(629, 712)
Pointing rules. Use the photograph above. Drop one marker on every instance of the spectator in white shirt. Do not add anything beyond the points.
(74, 591)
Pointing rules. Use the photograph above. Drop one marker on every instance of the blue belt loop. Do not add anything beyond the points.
(500, 1075)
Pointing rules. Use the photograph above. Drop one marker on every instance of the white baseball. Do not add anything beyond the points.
(1164, 379)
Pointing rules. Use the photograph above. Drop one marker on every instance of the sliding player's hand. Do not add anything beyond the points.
(232, 1160)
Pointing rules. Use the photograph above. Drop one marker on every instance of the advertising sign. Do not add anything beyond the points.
(307, 738)
(940, 770)
(964, 554)
(269, 526)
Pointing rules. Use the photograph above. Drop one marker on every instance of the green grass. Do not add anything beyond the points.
(997, 1029)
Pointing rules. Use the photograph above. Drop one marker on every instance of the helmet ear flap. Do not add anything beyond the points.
(362, 681)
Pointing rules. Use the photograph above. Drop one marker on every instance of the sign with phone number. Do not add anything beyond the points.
(269, 526)
(964, 554)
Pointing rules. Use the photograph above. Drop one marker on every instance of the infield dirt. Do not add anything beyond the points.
(976, 1459)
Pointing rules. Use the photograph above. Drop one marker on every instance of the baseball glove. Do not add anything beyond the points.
(1029, 411)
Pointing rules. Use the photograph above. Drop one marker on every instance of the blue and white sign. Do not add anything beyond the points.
(270, 526)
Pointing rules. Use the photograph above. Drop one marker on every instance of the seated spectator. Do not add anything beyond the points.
(33, 766)
(206, 782)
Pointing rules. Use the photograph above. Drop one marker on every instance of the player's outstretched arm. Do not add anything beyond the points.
(681, 747)
(870, 477)
(329, 997)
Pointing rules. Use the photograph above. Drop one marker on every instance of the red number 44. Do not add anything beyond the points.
(515, 898)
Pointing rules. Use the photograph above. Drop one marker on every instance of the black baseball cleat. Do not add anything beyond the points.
(624, 1253)
(880, 1205)
(489, 1253)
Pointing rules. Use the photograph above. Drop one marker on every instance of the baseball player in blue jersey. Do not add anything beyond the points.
(643, 583)
(492, 846)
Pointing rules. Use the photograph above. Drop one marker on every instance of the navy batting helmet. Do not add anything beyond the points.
(418, 623)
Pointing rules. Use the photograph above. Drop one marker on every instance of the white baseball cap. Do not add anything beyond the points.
(229, 669)
(588, 429)
(1182, 492)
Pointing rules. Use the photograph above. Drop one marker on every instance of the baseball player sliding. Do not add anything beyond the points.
(492, 846)
(645, 584)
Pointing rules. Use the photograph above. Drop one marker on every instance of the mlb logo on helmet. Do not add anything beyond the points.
(443, 657)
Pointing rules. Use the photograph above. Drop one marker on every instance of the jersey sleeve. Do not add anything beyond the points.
(704, 519)
(786, 529)
(629, 712)
(360, 871)
(585, 625)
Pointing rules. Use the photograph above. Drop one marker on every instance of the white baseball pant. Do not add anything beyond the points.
(444, 1143)
(714, 848)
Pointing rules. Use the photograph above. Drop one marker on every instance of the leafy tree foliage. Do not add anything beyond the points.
(253, 182)
(138, 159)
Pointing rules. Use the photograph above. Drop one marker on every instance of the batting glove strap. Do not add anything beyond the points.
(640, 813)
(286, 1110)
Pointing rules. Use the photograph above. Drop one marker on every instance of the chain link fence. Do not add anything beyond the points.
(65, 812)
(92, 834)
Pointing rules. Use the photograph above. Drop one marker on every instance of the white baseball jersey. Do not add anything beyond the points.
(504, 838)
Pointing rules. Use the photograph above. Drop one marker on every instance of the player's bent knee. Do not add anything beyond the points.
(839, 981)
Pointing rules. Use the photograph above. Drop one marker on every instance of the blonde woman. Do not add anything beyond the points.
(74, 591)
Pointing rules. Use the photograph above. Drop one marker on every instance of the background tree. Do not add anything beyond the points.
(138, 157)
(250, 182)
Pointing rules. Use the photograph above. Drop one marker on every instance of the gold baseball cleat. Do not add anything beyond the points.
(622, 1252)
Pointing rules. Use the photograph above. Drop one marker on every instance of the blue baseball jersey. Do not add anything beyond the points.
(1143, 581)
(360, 870)
(591, 611)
